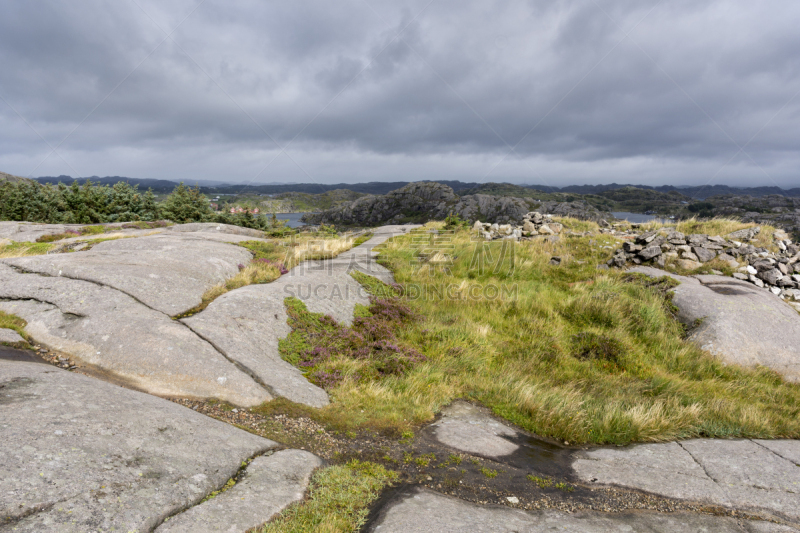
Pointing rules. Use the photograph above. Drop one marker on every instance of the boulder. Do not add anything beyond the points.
(733, 317)
(771, 276)
(744, 234)
(704, 255)
(545, 230)
(650, 252)
(529, 227)
(689, 264)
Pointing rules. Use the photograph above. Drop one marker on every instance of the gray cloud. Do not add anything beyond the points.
(585, 91)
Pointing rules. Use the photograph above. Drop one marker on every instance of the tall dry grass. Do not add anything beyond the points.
(577, 353)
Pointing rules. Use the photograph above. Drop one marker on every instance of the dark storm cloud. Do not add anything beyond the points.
(637, 91)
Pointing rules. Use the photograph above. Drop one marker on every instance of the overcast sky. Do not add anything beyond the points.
(552, 92)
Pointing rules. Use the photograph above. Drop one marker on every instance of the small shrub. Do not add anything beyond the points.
(453, 221)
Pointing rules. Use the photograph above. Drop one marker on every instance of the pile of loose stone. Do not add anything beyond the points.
(779, 272)
(533, 224)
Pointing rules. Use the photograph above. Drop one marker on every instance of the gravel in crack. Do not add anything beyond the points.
(421, 460)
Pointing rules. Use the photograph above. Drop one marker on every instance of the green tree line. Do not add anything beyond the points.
(97, 204)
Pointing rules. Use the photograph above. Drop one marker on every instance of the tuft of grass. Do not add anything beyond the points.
(9, 321)
(361, 239)
(488, 472)
(546, 482)
(338, 500)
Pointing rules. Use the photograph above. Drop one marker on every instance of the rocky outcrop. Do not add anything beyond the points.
(12, 178)
(415, 201)
(534, 224)
(728, 317)
(168, 273)
(777, 271)
(79, 454)
(420, 202)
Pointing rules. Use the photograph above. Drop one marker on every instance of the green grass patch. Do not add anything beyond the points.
(9, 321)
(338, 500)
(361, 239)
(22, 249)
(569, 351)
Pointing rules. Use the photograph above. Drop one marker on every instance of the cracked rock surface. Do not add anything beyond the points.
(422, 510)
(168, 273)
(734, 318)
(110, 308)
(114, 333)
(757, 475)
(269, 485)
(78, 454)
(246, 324)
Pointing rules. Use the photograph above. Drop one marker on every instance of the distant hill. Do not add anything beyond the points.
(156, 185)
(698, 192)
(11, 177)
(459, 187)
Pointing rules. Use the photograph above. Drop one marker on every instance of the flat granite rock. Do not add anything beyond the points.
(425, 511)
(269, 485)
(78, 454)
(168, 273)
(10, 336)
(113, 333)
(739, 323)
(213, 227)
(474, 430)
(246, 324)
(757, 476)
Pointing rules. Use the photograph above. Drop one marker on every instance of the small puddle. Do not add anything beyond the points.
(25, 356)
(727, 290)
(541, 456)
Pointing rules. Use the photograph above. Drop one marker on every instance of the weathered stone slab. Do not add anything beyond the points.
(739, 322)
(246, 324)
(474, 430)
(169, 273)
(270, 484)
(665, 469)
(213, 227)
(115, 334)
(741, 474)
(422, 510)
(78, 454)
(10, 336)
